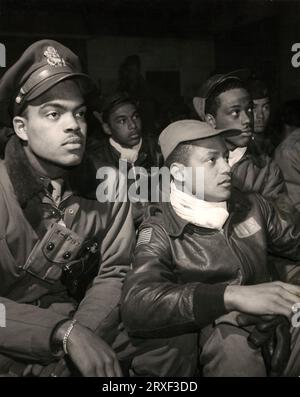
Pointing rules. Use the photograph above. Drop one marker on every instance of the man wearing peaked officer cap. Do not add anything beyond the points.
(64, 257)
(200, 279)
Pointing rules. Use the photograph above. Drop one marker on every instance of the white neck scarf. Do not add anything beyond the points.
(129, 154)
(198, 212)
(236, 154)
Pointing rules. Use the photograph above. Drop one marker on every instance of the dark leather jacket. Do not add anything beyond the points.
(180, 271)
(257, 172)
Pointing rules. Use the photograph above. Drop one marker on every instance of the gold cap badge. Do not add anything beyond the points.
(53, 57)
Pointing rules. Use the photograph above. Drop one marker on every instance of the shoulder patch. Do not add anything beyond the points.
(247, 228)
(144, 236)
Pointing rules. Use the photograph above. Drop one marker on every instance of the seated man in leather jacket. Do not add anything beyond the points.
(200, 295)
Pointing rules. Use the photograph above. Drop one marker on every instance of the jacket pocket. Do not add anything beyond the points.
(57, 248)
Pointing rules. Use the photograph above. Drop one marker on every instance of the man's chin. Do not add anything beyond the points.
(71, 162)
(259, 130)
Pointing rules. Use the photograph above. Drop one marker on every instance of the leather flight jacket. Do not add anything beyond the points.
(180, 270)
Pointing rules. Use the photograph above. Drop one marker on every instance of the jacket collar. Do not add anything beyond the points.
(28, 185)
(238, 207)
(25, 182)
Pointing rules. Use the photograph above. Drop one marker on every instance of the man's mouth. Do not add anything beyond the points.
(247, 132)
(225, 183)
(134, 136)
(74, 141)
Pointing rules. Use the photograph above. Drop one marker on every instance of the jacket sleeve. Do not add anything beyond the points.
(25, 330)
(273, 184)
(265, 179)
(283, 231)
(288, 161)
(154, 302)
(99, 309)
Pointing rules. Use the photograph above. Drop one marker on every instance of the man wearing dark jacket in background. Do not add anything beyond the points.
(125, 144)
(226, 103)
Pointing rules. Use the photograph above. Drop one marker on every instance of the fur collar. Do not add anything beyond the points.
(25, 182)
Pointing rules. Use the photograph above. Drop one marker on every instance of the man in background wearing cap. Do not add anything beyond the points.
(63, 257)
(225, 103)
(122, 124)
(200, 271)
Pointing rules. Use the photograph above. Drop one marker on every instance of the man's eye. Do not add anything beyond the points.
(81, 114)
(136, 116)
(122, 121)
(53, 115)
(235, 113)
(212, 160)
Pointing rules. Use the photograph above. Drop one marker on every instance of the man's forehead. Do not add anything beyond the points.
(234, 96)
(261, 101)
(123, 108)
(68, 103)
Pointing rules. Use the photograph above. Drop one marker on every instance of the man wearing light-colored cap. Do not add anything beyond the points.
(200, 279)
(63, 257)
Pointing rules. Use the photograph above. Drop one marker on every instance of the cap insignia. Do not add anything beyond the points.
(53, 57)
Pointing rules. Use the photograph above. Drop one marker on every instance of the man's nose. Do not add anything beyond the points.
(245, 118)
(225, 167)
(259, 114)
(71, 123)
(131, 124)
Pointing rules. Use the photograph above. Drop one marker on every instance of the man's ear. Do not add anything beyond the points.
(106, 129)
(209, 118)
(177, 172)
(20, 127)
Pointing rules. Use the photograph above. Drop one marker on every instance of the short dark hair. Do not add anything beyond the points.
(213, 101)
(117, 99)
(181, 153)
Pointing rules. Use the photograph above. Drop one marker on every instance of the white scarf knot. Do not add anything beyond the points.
(129, 154)
(198, 212)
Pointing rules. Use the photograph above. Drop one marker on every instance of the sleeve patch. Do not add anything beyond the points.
(247, 228)
(144, 236)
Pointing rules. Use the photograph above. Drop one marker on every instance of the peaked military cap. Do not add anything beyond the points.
(44, 64)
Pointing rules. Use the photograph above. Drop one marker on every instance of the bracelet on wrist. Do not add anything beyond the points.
(67, 334)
